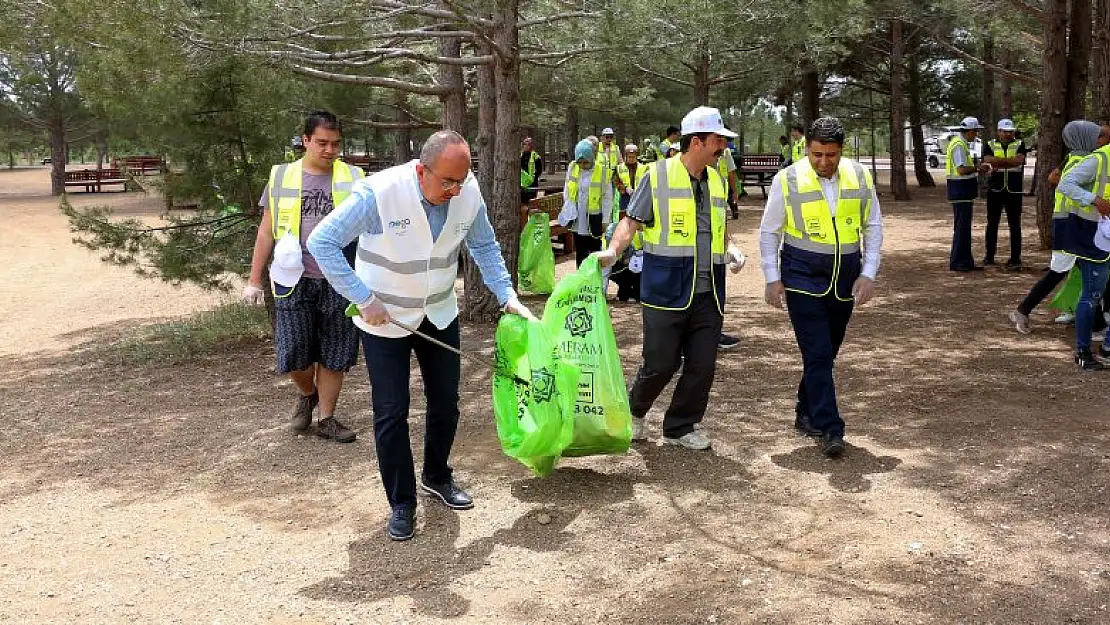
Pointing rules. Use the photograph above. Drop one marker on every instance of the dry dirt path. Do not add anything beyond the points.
(973, 490)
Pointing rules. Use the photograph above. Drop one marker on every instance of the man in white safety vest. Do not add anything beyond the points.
(411, 221)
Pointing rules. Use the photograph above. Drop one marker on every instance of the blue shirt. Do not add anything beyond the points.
(359, 213)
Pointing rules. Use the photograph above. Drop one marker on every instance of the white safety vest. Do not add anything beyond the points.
(413, 276)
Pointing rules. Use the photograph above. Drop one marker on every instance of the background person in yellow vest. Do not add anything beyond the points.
(609, 155)
(784, 152)
(1081, 138)
(681, 209)
(726, 167)
(410, 221)
(587, 201)
(797, 143)
(315, 343)
(629, 172)
(671, 137)
(531, 168)
(1076, 231)
(962, 182)
(1006, 158)
(819, 211)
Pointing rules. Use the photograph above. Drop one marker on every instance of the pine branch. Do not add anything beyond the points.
(370, 81)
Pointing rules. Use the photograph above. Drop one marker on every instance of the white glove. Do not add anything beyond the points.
(253, 295)
(736, 259)
(515, 307)
(606, 257)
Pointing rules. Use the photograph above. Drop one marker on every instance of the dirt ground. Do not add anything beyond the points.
(974, 488)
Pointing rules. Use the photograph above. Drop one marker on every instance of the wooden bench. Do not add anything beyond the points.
(757, 170)
(367, 164)
(551, 205)
(94, 179)
(140, 165)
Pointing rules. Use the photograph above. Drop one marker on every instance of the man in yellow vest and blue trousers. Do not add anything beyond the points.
(315, 343)
(819, 242)
(681, 207)
(1006, 158)
(411, 221)
(963, 187)
(1076, 231)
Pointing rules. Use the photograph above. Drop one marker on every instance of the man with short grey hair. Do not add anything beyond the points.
(410, 221)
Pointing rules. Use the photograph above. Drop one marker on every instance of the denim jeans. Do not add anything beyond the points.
(1094, 282)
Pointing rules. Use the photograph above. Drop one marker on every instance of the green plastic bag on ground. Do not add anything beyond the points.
(1067, 298)
(577, 319)
(535, 421)
(536, 265)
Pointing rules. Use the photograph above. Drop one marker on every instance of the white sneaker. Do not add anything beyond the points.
(695, 440)
(639, 429)
(1020, 321)
(1065, 318)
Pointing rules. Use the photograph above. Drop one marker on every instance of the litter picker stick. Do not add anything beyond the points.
(352, 311)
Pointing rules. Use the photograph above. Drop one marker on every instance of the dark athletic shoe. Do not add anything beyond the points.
(333, 430)
(832, 445)
(302, 413)
(402, 523)
(448, 494)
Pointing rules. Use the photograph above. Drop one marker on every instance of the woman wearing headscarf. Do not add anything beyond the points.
(587, 201)
(1081, 138)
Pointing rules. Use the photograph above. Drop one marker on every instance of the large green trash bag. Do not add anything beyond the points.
(536, 265)
(577, 318)
(1067, 298)
(535, 421)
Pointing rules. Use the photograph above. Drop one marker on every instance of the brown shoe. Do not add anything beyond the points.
(333, 430)
(302, 414)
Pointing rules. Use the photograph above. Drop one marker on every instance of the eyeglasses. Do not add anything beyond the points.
(448, 184)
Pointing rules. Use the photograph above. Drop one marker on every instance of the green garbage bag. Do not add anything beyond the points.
(1067, 298)
(535, 270)
(535, 421)
(577, 318)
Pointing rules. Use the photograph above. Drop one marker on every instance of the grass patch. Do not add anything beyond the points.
(202, 334)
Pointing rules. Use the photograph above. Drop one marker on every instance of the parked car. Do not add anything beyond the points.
(46, 161)
(936, 147)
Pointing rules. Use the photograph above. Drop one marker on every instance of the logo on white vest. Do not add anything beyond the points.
(400, 227)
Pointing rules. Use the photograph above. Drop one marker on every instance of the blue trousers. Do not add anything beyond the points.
(960, 256)
(819, 326)
(387, 360)
(1094, 282)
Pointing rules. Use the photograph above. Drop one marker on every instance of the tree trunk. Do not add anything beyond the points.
(920, 160)
(989, 118)
(898, 184)
(1050, 147)
(811, 97)
(701, 79)
(57, 138)
(451, 77)
(572, 132)
(402, 138)
(1079, 59)
(1100, 99)
(1007, 83)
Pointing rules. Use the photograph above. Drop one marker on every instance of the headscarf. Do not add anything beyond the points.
(1081, 137)
(584, 150)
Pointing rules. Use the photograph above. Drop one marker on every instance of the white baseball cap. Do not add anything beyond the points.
(631, 147)
(705, 119)
(971, 123)
(606, 131)
(1102, 235)
(288, 266)
(1006, 124)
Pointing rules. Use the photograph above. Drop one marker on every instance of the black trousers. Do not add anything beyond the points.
(673, 338)
(1040, 290)
(819, 327)
(997, 202)
(387, 360)
(584, 245)
(960, 256)
(628, 283)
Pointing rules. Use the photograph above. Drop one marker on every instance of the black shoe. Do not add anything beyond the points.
(333, 430)
(1013, 265)
(802, 424)
(302, 414)
(832, 445)
(402, 523)
(449, 494)
(967, 268)
(989, 262)
(735, 214)
(726, 341)
(1087, 361)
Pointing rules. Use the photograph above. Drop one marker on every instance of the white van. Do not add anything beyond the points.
(936, 147)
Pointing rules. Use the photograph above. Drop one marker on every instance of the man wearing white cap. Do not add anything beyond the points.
(681, 208)
(963, 188)
(315, 343)
(1006, 158)
(609, 156)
